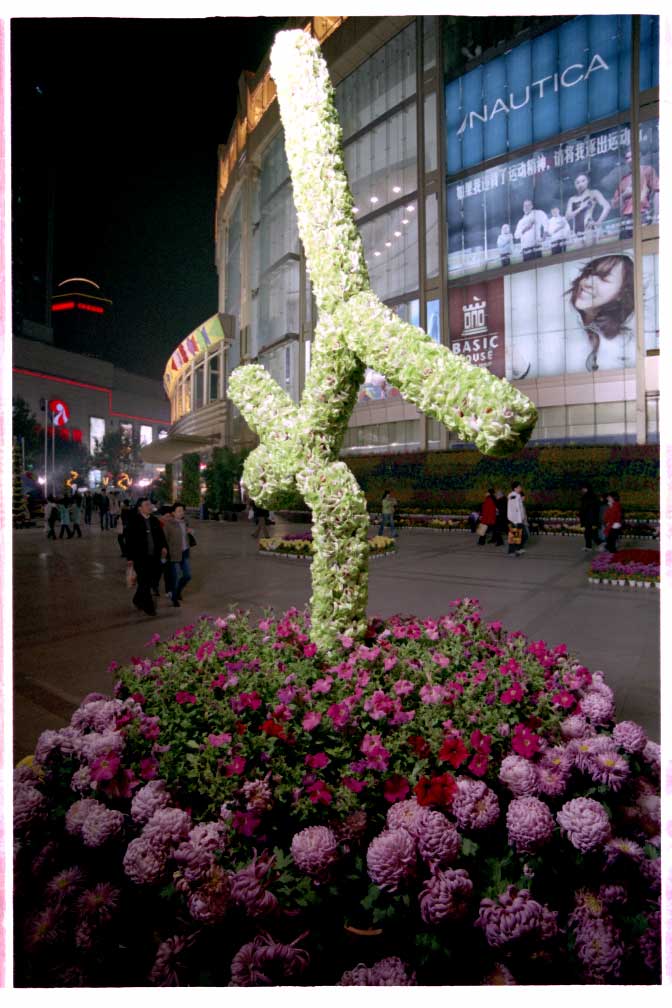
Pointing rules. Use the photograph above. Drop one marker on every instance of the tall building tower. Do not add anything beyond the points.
(81, 316)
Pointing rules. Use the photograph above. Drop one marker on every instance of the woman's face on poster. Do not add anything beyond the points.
(596, 290)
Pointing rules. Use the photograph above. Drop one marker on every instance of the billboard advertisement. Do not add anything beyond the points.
(575, 74)
(571, 196)
(562, 318)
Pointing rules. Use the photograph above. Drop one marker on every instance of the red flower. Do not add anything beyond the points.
(479, 764)
(353, 785)
(453, 751)
(271, 727)
(396, 788)
(437, 791)
(182, 697)
(481, 742)
(563, 699)
(419, 746)
(148, 768)
(524, 741)
(309, 650)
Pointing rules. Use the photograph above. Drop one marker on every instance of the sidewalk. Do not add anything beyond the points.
(73, 613)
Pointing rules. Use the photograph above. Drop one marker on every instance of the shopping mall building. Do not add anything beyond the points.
(505, 178)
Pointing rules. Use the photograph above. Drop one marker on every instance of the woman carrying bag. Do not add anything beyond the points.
(517, 516)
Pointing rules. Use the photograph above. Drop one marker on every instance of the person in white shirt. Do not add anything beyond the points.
(505, 244)
(558, 231)
(530, 230)
(517, 516)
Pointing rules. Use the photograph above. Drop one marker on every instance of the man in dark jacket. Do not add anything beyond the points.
(589, 512)
(147, 548)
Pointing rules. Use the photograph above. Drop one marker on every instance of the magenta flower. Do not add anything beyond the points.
(235, 767)
(318, 761)
(183, 697)
(377, 756)
(222, 739)
(353, 784)
(524, 741)
(309, 650)
(513, 694)
(395, 788)
(478, 765)
(480, 742)
(390, 662)
(564, 699)
(311, 720)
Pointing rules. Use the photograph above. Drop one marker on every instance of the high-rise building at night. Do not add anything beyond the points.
(81, 316)
(505, 174)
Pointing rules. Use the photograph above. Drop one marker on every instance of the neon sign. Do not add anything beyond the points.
(59, 412)
(63, 306)
(124, 482)
(71, 482)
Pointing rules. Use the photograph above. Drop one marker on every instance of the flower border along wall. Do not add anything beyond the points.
(299, 445)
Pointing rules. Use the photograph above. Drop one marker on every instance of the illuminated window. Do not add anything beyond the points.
(96, 432)
(163, 433)
(126, 432)
(145, 434)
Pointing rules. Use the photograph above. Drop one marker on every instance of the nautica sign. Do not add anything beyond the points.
(573, 74)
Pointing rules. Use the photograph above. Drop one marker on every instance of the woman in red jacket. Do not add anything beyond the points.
(488, 516)
(613, 520)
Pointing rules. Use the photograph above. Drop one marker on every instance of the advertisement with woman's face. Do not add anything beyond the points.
(577, 317)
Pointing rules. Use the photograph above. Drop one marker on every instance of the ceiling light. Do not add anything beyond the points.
(388, 244)
(355, 209)
(410, 208)
(404, 220)
(373, 199)
(396, 188)
(376, 253)
(397, 234)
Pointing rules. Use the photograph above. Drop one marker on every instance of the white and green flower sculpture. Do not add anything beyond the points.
(299, 445)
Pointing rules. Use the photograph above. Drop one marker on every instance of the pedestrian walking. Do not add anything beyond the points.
(387, 506)
(613, 520)
(76, 515)
(487, 517)
(177, 534)
(124, 516)
(260, 516)
(64, 516)
(602, 535)
(88, 508)
(146, 547)
(115, 509)
(502, 521)
(104, 509)
(165, 516)
(589, 515)
(51, 515)
(517, 518)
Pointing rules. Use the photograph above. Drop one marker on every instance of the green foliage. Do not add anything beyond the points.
(116, 453)
(163, 486)
(224, 470)
(20, 512)
(191, 480)
(26, 425)
(551, 476)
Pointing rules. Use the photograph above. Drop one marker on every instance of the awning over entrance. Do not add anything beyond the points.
(170, 448)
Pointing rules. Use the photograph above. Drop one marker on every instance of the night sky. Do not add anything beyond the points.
(125, 115)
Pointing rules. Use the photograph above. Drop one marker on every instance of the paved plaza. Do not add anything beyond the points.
(73, 613)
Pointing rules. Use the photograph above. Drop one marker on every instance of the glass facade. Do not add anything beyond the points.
(490, 163)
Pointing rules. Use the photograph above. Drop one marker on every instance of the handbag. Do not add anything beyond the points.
(191, 540)
(481, 529)
(515, 536)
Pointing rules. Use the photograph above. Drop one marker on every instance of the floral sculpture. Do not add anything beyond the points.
(300, 444)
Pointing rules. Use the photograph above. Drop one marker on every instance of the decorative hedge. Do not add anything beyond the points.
(551, 476)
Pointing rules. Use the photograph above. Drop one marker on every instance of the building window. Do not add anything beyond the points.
(145, 434)
(162, 433)
(96, 433)
(198, 385)
(434, 320)
(213, 377)
(126, 430)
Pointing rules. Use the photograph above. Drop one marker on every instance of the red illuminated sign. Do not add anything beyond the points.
(63, 306)
(89, 307)
(59, 412)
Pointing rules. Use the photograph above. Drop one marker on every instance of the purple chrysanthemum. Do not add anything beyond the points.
(389, 972)
(249, 887)
(618, 847)
(208, 904)
(81, 780)
(167, 826)
(148, 800)
(46, 927)
(78, 813)
(101, 825)
(98, 715)
(438, 841)
(168, 965)
(511, 917)
(530, 824)
(26, 774)
(575, 727)
(99, 903)
(407, 814)
(144, 861)
(608, 767)
(650, 942)
(598, 707)
(390, 859)
(599, 947)
(475, 805)
(630, 736)
(66, 883)
(519, 775)
(585, 822)
(314, 850)
(551, 779)
(258, 796)
(98, 744)
(196, 855)
(265, 962)
(651, 754)
(445, 896)
(29, 806)
(583, 751)
(612, 894)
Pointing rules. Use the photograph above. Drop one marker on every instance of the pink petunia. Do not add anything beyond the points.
(403, 687)
(219, 740)
(564, 699)
(105, 767)
(480, 742)
(524, 741)
(318, 761)
(311, 720)
(183, 697)
(309, 650)
(353, 785)
(478, 764)
(236, 766)
(390, 662)
(149, 768)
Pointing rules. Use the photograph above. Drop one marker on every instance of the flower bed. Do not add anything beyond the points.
(447, 803)
(636, 568)
(300, 546)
